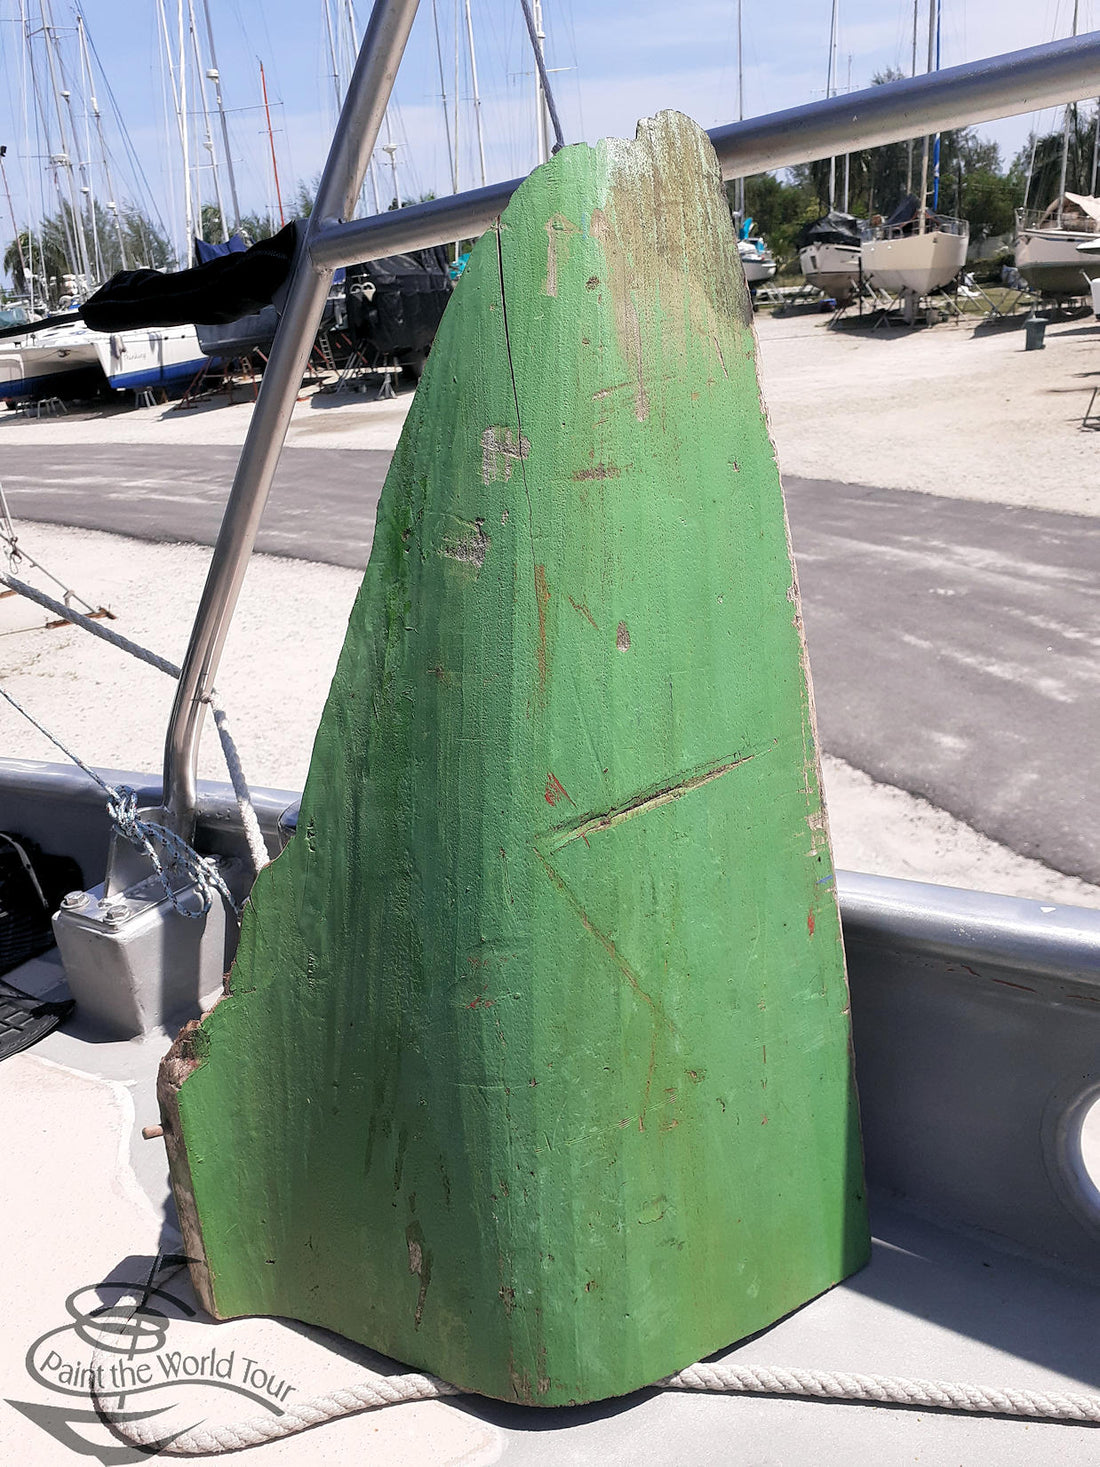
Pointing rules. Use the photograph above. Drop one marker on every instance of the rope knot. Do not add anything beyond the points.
(169, 853)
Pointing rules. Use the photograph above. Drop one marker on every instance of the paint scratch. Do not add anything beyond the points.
(651, 799)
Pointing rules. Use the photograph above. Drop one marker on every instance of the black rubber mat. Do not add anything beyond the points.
(24, 1020)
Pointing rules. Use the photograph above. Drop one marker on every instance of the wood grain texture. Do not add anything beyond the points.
(535, 1070)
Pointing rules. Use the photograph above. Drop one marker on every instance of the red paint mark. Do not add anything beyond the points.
(810, 921)
(584, 611)
(1005, 983)
(555, 790)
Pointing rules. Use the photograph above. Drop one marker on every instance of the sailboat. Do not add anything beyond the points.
(1047, 239)
(757, 261)
(829, 255)
(918, 250)
(829, 248)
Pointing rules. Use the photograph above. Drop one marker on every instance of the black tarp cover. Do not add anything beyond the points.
(225, 288)
(832, 228)
(410, 294)
(905, 213)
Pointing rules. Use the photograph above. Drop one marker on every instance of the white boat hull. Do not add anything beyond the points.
(1048, 259)
(758, 264)
(833, 268)
(919, 263)
(153, 357)
(49, 363)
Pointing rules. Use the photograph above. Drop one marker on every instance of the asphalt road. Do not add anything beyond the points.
(953, 644)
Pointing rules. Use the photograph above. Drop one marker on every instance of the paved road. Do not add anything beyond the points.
(321, 505)
(953, 644)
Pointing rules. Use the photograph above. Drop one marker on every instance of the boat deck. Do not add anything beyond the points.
(934, 1303)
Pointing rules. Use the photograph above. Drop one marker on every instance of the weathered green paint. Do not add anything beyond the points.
(535, 1071)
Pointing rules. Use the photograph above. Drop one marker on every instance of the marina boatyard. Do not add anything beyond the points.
(556, 1053)
(943, 500)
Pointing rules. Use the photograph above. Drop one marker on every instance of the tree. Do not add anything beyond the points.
(111, 240)
(1038, 164)
(778, 209)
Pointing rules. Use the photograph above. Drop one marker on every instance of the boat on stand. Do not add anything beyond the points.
(829, 248)
(917, 250)
(1047, 241)
(58, 361)
(829, 255)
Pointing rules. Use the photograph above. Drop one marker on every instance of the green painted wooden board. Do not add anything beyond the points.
(536, 1069)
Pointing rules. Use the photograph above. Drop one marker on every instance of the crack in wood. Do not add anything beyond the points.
(650, 799)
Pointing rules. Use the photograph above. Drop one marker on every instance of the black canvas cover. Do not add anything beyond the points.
(402, 312)
(833, 228)
(905, 213)
(227, 287)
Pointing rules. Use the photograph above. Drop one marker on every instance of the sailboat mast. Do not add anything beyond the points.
(391, 148)
(332, 56)
(848, 157)
(912, 72)
(271, 140)
(477, 94)
(457, 43)
(936, 143)
(739, 192)
(63, 158)
(185, 141)
(88, 186)
(105, 163)
(208, 136)
(28, 280)
(542, 130)
(1065, 141)
(830, 90)
(214, 75)
(933, 9)
(443, 97)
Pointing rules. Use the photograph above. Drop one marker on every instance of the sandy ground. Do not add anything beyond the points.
(953, 410)
(949, 410)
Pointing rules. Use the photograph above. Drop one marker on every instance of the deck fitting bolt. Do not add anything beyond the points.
(116, 915)
(74, 900)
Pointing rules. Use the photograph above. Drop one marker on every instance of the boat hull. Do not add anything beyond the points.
(917, 262)
(1049, 260)
(832, 268)
(58, 362)
(156, 357)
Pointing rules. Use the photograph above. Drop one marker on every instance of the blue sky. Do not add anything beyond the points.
(616, 61)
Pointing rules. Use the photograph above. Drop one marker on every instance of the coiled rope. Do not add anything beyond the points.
(377, 1391)
(257, 848)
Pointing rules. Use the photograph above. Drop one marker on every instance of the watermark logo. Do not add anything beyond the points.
(136, 1353)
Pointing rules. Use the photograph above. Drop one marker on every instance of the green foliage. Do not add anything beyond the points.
(974, 183)
(1042, 157)
(778, 209)
(126, 240)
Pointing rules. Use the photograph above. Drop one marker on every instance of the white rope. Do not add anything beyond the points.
(934, 1395)
(377, 1391)
(257, 847)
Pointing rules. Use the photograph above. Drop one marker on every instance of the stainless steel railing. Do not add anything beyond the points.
(1024, 81)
